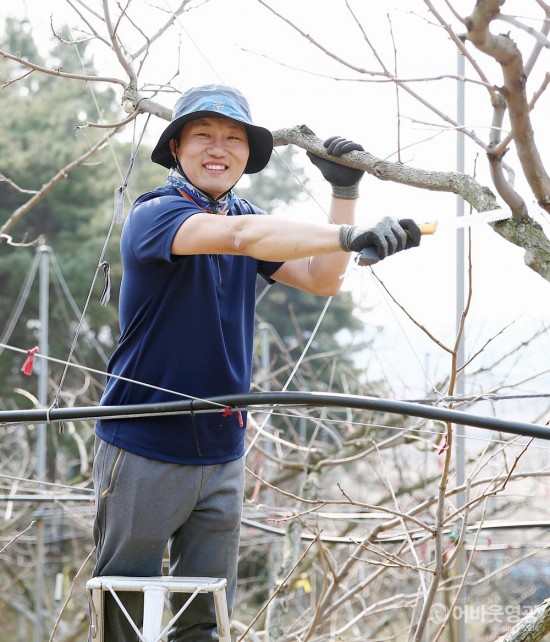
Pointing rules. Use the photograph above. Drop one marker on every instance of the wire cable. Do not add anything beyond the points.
(21, 300)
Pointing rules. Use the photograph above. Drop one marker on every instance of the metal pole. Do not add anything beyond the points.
(44, 303)
(460, 270)
(264, 329)
(41, 442)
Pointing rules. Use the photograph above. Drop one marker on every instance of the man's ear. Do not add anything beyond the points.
(172, 144)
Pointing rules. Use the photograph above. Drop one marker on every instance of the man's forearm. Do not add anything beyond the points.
(269, 238)
(333, 266)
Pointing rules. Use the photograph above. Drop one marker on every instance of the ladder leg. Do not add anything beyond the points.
(153, 608)
(222, 615)
(96, 598)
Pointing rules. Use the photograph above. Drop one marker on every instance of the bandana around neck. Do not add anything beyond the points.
(205, 202)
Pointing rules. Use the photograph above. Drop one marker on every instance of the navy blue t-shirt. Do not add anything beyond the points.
(187, 324)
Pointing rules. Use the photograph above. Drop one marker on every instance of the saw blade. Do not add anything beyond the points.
(459, 222)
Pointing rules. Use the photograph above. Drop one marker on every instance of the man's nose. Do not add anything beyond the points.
(216, 146)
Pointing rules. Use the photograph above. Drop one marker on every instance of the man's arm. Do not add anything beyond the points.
(315, 255)
(314, 260)
(321, 274)
(268, 238)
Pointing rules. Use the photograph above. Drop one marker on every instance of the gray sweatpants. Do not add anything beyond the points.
(143, 506)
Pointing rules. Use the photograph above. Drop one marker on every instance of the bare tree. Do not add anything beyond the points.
(511, 104)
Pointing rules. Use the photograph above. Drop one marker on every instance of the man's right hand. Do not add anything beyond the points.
(388, 236)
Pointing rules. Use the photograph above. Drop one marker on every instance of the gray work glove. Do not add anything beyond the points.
(387, 237)
(344, 180)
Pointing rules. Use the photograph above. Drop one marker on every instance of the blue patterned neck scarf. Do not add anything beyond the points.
(205, 202)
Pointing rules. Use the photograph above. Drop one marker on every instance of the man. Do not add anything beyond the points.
(191, 252)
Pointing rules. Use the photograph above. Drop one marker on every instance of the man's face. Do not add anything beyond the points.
(213, 153)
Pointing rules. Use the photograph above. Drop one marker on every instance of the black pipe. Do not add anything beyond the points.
(247, 400)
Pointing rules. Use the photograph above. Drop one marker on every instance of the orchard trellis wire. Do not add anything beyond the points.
(263, 400)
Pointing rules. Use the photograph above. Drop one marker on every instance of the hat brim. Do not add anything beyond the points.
(260, 142)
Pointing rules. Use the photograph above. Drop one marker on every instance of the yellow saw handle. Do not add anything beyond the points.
(428, 228)
(369, 255)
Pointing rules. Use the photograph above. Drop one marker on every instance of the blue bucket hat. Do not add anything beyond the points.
(215, 101)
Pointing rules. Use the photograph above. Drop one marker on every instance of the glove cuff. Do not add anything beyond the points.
(345, 235)
(348, 192)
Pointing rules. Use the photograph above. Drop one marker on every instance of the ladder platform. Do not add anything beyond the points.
(171, 584)
(154, 591)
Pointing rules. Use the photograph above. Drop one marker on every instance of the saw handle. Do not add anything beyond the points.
(369, 255)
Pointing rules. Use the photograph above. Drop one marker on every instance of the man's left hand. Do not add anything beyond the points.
(344, 180)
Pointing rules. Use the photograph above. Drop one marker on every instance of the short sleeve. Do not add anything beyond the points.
(152, 225)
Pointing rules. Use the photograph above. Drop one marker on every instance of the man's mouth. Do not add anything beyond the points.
(214, 167)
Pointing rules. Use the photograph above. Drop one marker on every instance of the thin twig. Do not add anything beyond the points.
(70, 594)
(14, 539)
(281, 585)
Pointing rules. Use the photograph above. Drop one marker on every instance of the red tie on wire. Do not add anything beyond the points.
(29, 361)
(229, 411)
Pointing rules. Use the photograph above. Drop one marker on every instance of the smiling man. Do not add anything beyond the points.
(191, 253)
(212, 153)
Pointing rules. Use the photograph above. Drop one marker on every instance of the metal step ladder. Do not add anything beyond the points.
(154, 591)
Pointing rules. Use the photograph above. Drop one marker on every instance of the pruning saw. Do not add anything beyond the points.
(369, 254)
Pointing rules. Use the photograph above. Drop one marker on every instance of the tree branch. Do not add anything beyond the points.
(532, 628)
(502, 49)
(61, 175)
(480, 197)
(58, 72)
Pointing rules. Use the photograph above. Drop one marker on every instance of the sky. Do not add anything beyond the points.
(289, 81)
